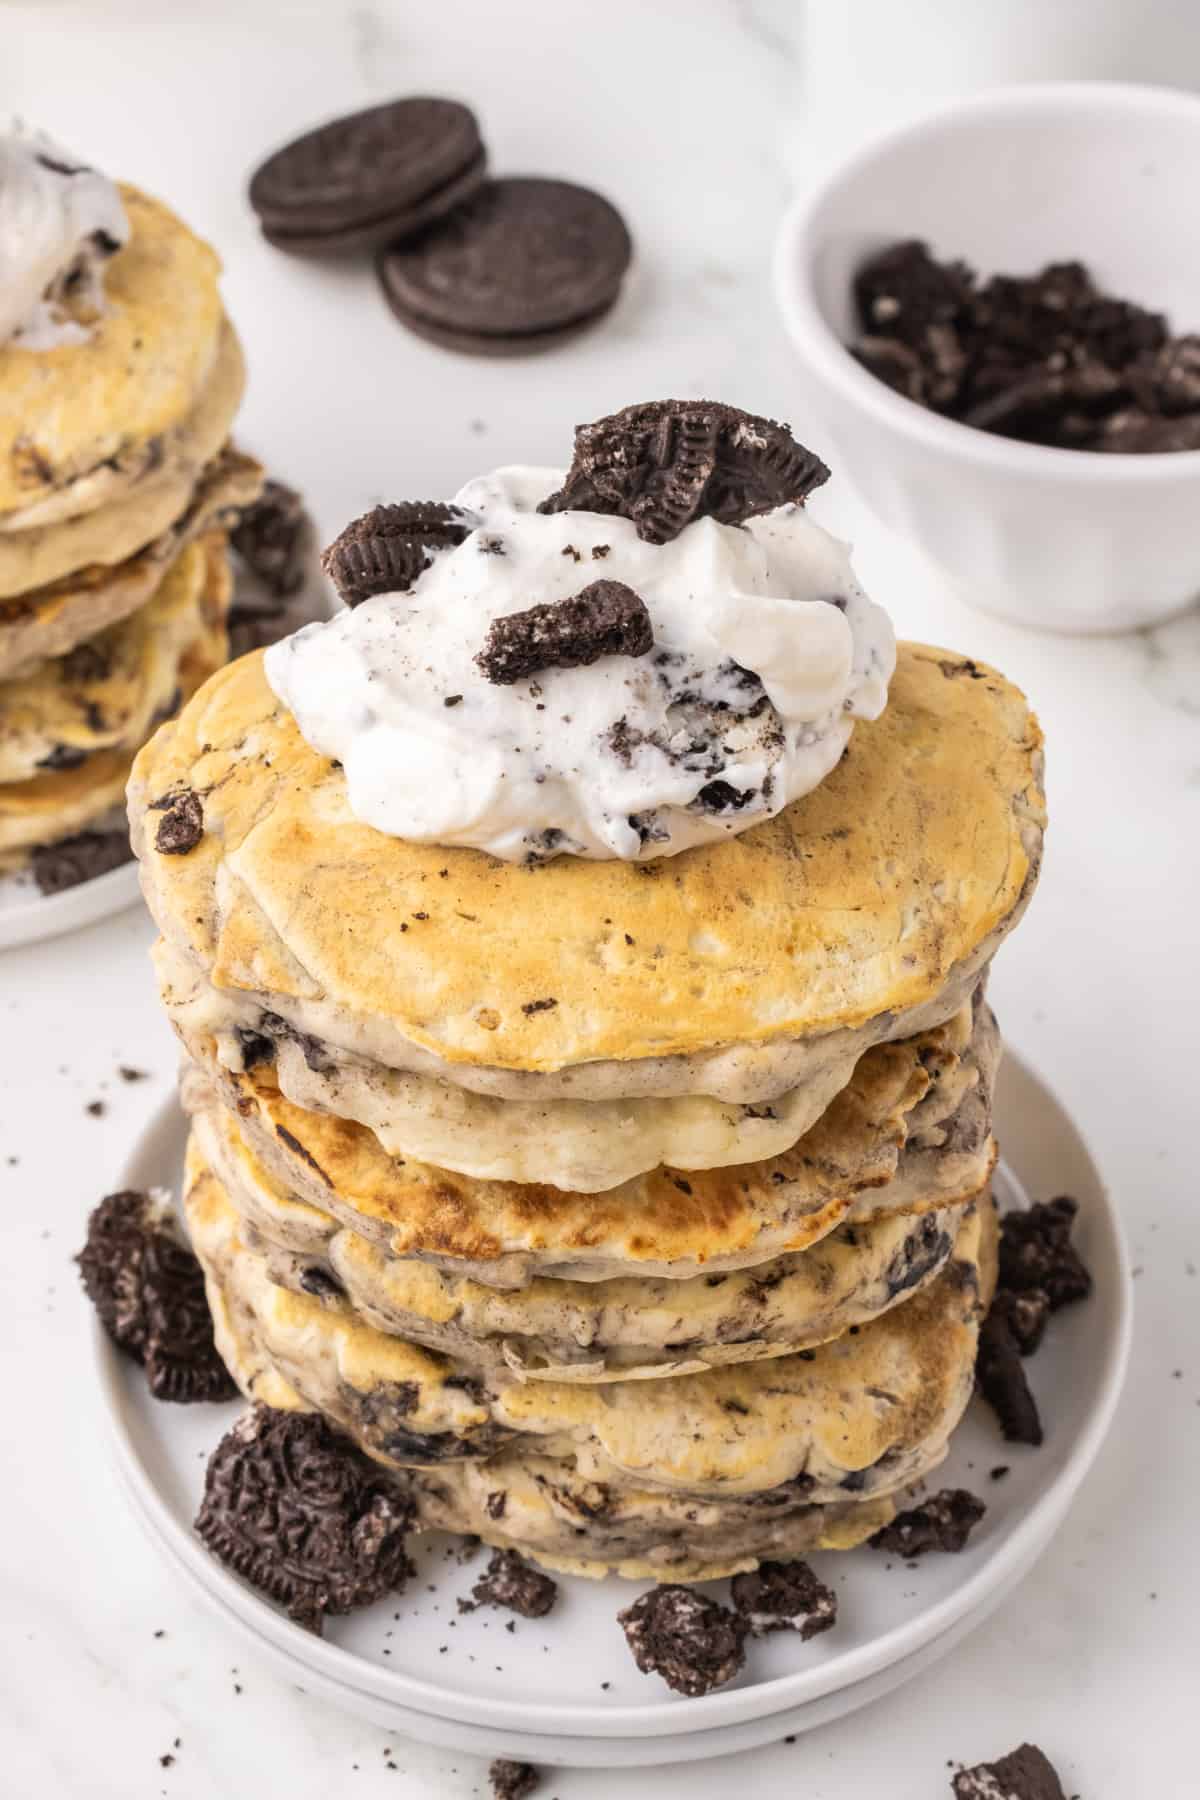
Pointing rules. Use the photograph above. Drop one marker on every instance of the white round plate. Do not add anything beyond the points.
(468, 1682)
(29, 917)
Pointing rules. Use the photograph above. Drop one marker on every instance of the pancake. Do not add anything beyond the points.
(109, 692)
(576, 1146)
(51, 620)
(636, 1327)
(910, 1133)
(544, 1509)
(82, 423)
(872, 902)
(866, 1414)
(59, 802)
(44, 554)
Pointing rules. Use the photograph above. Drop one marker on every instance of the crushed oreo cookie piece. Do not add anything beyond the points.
(57, 867)
(513, 1780)
(784, 1596)
(606, 618)
(1039, 1271)
(1036, 1253)
(369, 178)
(667, 462)
(274, 538)
(385, 550)
(1024, 1774)
(1026, 1316)
(513, 1583)
(301, 1514)
(182, 824)
(1046, 358)
(943, 1522)
(148, 1289)
(693, 1642)
(1000, 1376)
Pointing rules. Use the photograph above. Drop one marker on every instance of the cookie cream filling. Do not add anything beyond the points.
(59, 223)
(765, 650)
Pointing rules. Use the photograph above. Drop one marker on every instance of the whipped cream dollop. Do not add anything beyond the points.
(765, 651)
(59, 223)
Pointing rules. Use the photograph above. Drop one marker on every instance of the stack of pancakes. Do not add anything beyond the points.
(116, 482)
(636, 1215)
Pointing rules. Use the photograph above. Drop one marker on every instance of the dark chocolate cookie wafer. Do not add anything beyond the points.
(385, 550)
(370, 178)
(1024, 1774)
(303, 1515)
(667, 462)
(148, 1289)
(524, 264)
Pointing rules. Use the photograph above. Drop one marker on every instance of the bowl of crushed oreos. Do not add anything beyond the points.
(997, 314)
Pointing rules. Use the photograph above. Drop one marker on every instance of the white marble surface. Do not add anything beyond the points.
(684, 111)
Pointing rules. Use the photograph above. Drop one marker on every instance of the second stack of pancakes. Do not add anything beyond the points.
(117, 483)
(636, 1215)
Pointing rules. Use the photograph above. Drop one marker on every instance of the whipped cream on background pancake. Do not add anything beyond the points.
(765, 651)
(59, 223)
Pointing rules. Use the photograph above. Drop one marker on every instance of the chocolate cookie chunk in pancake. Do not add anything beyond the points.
(606, 618)
(385, 550)
(370, 178)
(149, 1292)
(300, 1514)
(526, 261)
(667, 462)
(182, 824)
(693, 1642)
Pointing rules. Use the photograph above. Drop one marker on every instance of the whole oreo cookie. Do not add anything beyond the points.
(667, 462)
(303, 1516)
(148, 1289)
(369, 178)
(527, 263)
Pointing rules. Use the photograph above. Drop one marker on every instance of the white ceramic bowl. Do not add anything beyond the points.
(1064, 540)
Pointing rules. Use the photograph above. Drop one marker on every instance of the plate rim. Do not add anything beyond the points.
(671, 1715)
(580, 1751)
(46, 916)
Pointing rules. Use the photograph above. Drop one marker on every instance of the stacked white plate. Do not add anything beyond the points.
(28, 916)
(564, 1689)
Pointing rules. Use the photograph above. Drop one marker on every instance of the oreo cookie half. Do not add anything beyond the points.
(370, 178)
(664, 463)
(299, 1513)
(525, 264)
(148, 1289)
